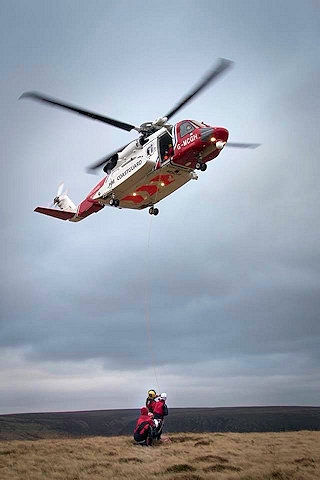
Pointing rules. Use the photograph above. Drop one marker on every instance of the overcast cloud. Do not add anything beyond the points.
(215, 301)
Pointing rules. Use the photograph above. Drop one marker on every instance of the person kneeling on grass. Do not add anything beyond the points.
(144, 428)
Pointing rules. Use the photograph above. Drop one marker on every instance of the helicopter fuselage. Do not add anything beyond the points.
(145, 174)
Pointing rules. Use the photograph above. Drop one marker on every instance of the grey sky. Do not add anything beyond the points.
(227, 276)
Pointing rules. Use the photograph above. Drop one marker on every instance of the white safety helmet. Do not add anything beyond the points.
(163, 396)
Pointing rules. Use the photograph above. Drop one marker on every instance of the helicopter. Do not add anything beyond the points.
(141, 173)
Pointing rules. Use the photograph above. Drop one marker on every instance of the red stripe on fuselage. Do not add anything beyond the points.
(132, 198)
(150, 189)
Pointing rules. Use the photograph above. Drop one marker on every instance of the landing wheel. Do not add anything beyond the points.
(201, 166)
(153, 211)
(114, 202)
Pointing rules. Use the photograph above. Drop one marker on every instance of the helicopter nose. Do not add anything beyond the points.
(221, 133)
(216, 135)
(220, 137)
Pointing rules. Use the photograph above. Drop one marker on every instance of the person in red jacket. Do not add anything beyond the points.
(144, 428)
(160, 408)
(151, 400)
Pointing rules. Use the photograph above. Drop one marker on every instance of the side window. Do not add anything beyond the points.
(186, 127)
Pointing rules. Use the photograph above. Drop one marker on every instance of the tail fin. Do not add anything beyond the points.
(68, 210)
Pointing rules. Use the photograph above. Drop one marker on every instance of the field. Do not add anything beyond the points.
(192, 456)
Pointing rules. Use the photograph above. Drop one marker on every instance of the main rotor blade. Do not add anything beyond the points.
(95, 116)
(212, 75)
(94, 166)
(243, 145)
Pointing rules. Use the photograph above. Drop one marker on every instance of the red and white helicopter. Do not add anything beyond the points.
(162, 159)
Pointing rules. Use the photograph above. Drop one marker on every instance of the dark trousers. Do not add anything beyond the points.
(145, 439)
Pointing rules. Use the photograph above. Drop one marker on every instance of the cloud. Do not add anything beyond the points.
(219, 292)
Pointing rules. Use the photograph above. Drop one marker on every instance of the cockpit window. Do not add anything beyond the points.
(185, 128)
(199, 124)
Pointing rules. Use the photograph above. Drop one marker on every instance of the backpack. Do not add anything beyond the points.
(142, 427)
(160, 408)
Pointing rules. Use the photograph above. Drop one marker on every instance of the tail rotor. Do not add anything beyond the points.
(62, 201)
(60, 195)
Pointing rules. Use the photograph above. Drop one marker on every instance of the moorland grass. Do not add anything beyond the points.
(227, 456)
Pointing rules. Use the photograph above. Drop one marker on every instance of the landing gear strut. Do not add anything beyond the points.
(153, 211)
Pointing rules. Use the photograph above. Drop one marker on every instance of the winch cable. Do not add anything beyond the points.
(147, 297)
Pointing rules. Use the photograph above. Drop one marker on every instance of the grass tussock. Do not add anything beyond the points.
(231, 456)
(180, 467)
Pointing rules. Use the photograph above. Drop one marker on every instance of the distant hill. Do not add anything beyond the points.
(121, 422)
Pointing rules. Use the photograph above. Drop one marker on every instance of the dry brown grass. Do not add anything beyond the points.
(214, 456)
